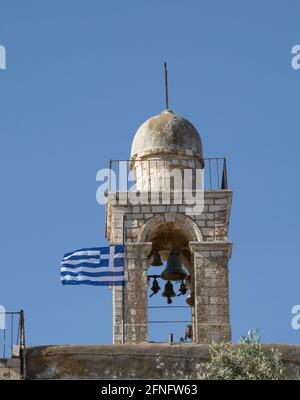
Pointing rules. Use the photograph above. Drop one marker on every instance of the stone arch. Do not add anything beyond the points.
(181, 221)
(171, 229)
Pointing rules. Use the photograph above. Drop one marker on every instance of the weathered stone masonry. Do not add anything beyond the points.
(210, 252)
(171, 143)
(149, 361)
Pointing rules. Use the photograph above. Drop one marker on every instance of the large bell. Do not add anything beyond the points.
(156, 261)
(174, 270)
(169, 292)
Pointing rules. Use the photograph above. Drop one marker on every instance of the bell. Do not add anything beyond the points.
(182, 289)
(189, 332)
(173, 270)
(190, 300)
(155, 287)
(169, 292)
(156, 261)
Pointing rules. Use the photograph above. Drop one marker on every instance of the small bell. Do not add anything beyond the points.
(156, 261)
(174, 270)
(190, 300)
(182, 289)
(189, 332)
(169, 292)
(155, 287)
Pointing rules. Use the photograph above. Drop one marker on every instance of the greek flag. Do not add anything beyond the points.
(101, 266)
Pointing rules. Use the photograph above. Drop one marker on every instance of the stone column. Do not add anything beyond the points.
(210, 261)
(135, 307)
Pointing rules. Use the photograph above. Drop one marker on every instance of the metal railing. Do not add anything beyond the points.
(215, 171)
(159, 321)
(12, 337)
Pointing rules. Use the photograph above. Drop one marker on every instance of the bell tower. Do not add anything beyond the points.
(156, 220)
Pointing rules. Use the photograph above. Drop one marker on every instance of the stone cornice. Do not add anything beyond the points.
(226, 247)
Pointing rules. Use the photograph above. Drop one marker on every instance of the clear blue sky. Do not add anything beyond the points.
(81, 77)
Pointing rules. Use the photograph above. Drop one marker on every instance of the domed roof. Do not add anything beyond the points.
(166, 133)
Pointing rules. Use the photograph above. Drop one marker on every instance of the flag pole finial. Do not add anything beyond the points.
(166, 86)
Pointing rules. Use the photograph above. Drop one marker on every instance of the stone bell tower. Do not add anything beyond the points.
(153, 223)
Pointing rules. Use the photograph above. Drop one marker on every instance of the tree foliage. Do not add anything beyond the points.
(244, 362)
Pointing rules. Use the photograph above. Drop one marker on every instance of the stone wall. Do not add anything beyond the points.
(133, 328)
(212, 323)
(149, 361)
(9, 368)
(143, 227)
(212, 222)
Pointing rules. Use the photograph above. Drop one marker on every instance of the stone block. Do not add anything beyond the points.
(216, 208)
(221, 201)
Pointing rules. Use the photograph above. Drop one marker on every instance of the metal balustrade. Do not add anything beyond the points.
(214, 170)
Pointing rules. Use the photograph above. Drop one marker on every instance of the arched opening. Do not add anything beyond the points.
(170, 315)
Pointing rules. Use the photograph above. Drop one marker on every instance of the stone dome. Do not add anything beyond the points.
(166, 133)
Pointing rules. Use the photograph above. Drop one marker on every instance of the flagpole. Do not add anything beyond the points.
(123, 286)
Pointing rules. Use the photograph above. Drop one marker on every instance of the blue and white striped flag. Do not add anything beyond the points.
(101, 266)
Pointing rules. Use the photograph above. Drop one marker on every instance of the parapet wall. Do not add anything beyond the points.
(9, 368)
(143, 361)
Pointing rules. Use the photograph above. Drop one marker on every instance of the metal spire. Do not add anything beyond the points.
(166, 86)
